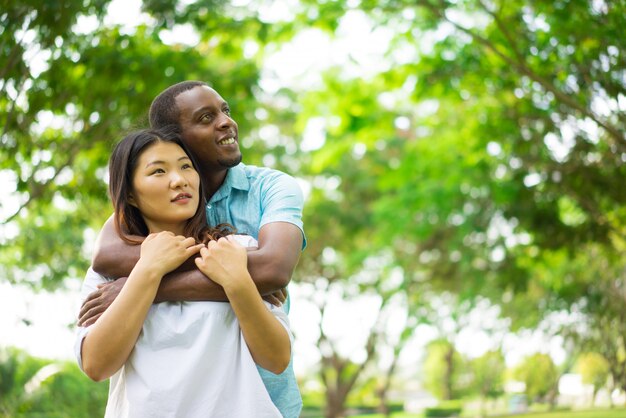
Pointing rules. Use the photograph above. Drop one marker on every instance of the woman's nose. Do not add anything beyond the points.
(178, 180)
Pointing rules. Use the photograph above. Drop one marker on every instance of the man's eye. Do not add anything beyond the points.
(206, 118)
(227, 111)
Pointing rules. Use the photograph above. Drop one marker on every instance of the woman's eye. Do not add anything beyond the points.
(186, 166)
(158, 171)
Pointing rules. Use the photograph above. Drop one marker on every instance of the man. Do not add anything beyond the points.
(261, 202)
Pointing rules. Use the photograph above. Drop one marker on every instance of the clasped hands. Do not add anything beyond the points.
(224, 261)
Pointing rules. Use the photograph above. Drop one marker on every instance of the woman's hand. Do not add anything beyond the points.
(225, 262)
(163, 252)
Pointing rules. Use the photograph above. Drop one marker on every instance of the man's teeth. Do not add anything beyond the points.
(227, 141)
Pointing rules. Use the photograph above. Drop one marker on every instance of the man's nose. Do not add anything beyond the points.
(225, 121)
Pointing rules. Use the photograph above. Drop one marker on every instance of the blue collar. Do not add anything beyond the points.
(236, 178)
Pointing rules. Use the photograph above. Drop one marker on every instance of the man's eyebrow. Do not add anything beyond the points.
(223, 105)
(198, 112)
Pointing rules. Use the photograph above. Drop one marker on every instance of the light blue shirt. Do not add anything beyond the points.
(249, 198)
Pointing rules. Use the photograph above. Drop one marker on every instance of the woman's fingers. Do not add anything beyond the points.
(194, 249)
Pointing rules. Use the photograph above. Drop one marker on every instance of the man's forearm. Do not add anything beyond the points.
(189, 286)
(268, 276)
(273, 263)
(116, 261)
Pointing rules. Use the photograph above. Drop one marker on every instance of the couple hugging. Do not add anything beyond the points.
(193, 228)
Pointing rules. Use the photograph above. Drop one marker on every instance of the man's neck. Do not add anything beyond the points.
(212, 181)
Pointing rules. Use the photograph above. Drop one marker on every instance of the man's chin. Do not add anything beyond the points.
(230, 162)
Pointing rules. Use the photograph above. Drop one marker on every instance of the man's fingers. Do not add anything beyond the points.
(86, 318)
(93, 295)
(272, 299)
(91, 320)
(87, 306)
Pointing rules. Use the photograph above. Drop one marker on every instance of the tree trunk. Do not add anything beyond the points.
(334, 405)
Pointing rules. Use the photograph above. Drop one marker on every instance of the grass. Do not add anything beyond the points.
(594, 413)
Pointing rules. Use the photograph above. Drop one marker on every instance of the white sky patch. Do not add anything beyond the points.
(180, 34)
(127, 14)
(274, 11)
(39, 322)
(532, 179)
(85, 24)
(314, 135)
(358, 49)
(8, 206)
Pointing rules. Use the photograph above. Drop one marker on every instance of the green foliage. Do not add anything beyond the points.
(488, 374)
(486, 160)
(33, 387)
(60, 124)
(445, 409)
(444, 371)
(539, 374)
(594, 370)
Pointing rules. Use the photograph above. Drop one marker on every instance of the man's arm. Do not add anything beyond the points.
(270, 266)
(115, 258)
(273, 263)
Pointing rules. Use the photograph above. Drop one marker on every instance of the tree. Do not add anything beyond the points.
(540, 376)
(500, 137)
(487, 150)
(594, 370)
(63, 113)
(444, 371)
(488, 376)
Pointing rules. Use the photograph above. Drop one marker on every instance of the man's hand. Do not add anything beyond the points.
(98, 301)
(277, 298)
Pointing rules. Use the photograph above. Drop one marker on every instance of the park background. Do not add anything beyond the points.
(463, 163)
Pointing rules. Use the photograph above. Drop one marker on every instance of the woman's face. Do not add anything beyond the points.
(165, 187)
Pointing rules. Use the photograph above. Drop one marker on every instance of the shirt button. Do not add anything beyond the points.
(209, 207)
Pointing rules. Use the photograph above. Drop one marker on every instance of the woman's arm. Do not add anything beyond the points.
(111, 339)
(271, 266)
(225, 261)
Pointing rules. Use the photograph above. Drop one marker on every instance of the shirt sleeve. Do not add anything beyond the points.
(283, 201)
(90, 284)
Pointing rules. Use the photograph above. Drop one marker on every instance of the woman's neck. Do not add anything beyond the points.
(176, 229)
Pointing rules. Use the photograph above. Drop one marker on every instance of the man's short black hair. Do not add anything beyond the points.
(163, 110)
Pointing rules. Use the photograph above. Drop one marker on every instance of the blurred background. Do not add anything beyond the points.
(463, 163)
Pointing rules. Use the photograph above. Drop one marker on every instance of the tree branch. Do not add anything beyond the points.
(523, 68)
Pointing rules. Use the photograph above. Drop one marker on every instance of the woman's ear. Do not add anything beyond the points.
(131, 200)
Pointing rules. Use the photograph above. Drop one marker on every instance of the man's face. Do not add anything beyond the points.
(208, 129)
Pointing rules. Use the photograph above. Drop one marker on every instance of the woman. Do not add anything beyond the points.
(209, 349)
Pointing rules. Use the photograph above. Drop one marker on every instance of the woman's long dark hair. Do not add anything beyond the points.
(122, 164)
